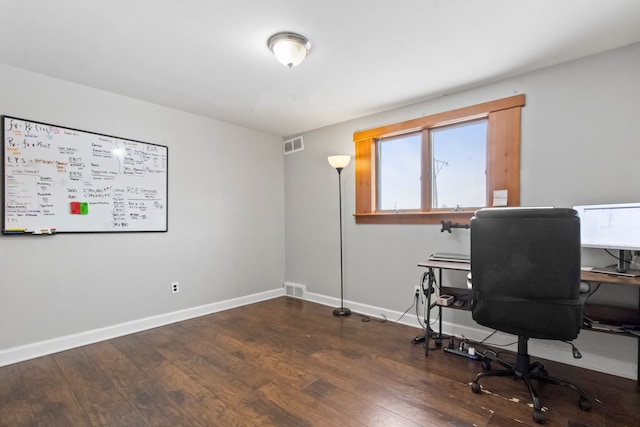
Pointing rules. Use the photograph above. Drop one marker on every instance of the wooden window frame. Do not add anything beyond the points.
(503, 160)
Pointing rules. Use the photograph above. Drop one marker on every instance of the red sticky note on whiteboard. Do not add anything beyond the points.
(75, 208)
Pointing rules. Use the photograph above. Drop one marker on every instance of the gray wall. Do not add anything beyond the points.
(226, 221)
(237, 210)
(580, 145)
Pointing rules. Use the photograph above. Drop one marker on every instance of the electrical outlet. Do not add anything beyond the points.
(417, 289)
(175, 287)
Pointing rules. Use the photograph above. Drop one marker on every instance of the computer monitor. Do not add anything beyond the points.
(610, 226)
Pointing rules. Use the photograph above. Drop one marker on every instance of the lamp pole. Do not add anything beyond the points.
(339, 163)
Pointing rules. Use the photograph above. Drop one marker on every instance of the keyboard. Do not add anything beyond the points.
(445, 256)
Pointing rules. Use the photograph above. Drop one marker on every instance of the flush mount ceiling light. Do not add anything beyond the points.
(289, 48)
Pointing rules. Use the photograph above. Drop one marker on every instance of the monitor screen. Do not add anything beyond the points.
(610, 226)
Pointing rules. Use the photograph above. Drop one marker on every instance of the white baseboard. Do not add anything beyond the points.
(546, 349)
(55, 345)
(551, 350)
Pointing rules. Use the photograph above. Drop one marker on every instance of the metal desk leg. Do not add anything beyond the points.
(430, 306)
(428, 320)
(439, 336)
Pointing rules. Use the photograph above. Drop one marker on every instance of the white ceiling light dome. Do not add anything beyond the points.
(289, 48)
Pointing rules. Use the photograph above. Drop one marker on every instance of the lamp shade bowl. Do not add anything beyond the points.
(339, 161)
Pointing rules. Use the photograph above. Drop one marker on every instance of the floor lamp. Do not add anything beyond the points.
(340, 162)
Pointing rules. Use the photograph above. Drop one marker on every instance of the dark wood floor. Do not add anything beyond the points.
(287, 362)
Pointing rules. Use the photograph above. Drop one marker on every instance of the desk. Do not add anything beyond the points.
(608, 315)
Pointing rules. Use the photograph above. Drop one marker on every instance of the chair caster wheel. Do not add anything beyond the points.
(585, 404)
(538, 417)
(475, 387)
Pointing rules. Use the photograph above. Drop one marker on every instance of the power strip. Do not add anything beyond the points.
(462, 353)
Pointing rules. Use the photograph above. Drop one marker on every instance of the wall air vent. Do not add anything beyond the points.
(292, 145)
(295, 290)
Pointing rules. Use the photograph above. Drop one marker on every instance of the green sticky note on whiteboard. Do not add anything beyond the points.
(84, 208)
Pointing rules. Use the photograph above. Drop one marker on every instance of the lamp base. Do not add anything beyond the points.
(341, 311)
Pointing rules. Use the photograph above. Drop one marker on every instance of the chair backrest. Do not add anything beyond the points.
(525, 268)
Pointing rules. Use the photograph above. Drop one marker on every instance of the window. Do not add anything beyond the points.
(439, 167)
(399, 172)
(458, 165)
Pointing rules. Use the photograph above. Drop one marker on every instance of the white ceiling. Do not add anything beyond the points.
(210, 57)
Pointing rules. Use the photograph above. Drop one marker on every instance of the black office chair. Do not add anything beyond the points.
(525, 269)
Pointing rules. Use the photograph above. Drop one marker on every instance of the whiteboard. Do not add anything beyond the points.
(58, 180)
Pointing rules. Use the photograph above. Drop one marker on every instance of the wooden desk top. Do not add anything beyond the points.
(587, 276)
(447, 265)
(592, 276)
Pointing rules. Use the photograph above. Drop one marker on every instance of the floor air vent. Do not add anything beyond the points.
(292, 145)
(294, 290)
